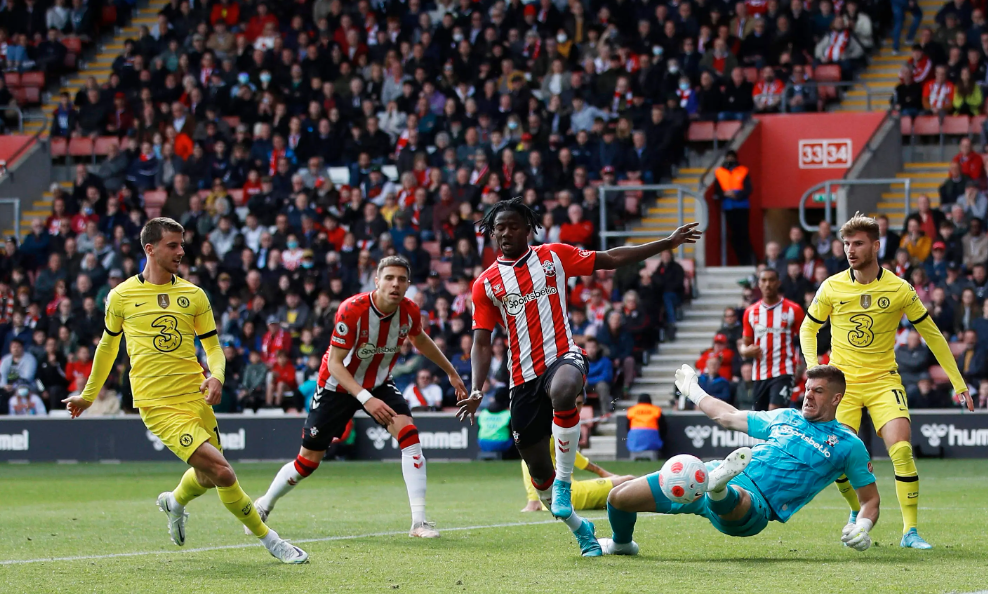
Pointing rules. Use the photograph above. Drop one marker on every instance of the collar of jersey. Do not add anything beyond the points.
(140, 277)
(517, 262)
(380, 314)
(850, 273)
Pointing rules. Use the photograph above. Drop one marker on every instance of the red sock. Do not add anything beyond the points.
(304, 466)
(566, 418)
(408, 435)
(544, 486)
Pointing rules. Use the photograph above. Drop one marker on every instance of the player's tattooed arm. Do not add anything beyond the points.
(630, 254)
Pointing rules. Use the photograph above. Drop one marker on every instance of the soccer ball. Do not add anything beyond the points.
(683, 478)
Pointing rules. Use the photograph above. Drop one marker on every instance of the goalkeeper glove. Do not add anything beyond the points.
(687, 383)
(856, 535)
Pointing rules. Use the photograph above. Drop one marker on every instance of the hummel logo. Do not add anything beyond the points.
(140, 304)
(416, 462)
(561, 445)
(292, 482)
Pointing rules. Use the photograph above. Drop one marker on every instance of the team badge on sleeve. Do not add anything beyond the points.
(342, 329)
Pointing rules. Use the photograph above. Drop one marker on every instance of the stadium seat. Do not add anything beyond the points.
(33, 79)
(725, 131)
(751, 74)
(73, 44)
(59, 147)
(153, 201)
(976, 123)
(432, 247)
(12, 80)
(445, 269)
(109, 16)
(488, 257)
(926, 125)
(956, 348)
(956, 125)
(81, 147)
(237, 196)
(71, 61)
(700, 132)
(938, 375)
(103, 143)
(827, 73)
(340, 175)
(906, 126)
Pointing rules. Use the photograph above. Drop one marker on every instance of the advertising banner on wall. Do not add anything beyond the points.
(939, 433)
(32, 439)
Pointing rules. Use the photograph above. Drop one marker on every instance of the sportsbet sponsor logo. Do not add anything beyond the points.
(936, 434)
(514, 303)
(15, 442)
(367, 350)
(430, 440)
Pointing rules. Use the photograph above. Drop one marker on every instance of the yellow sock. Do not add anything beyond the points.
(906, 483)
(188, 488)
(844, 486)
(240, 505)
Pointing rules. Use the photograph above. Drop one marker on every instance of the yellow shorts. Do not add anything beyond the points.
(884, 398)
(183, 427)
(590, 494)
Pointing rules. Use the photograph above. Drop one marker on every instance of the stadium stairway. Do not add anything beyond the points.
(661, 215)
(882, 74)
(927, 177)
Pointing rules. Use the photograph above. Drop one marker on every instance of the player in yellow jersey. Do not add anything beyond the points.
(161, 315)
(865, 305)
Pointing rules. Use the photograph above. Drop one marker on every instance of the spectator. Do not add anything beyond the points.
(601, 372)
(77, 370)
(929, 219)
(107, 404)
(424, 394)
(975, 245)
(912, 358)
(494, 428)
(773, 258)
(888, 240)
(840, 47)
(965, 312)
(915, 242)
(275, 340)
(18, 365)
(251, 393)
(743, 390)
(731, 327)
(24, 402)
(738, 97)
(618, 345)
(971, 163)
(955, 186)
(713, 382)
(924, 394)
(938, 94)
(668, 280)
(794, 284)
(644, 419)
(282, 386)
(899, 8)
(971, 361)
(968, 99)
(973, 202)
(794, 251)
(907, 98)
(722, 354)
(768, 92)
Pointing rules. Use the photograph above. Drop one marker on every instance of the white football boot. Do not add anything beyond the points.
(176, 519)
(733, 465)
(423, 530)
(609, 547)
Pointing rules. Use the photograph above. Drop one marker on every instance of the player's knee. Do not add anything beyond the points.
(566, 386)
(617, 498)
(223, 475)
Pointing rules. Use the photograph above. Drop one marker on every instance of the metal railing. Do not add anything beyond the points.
(700, 212)
(14, 203)
(8, 165)
(829, 198)
(20, 115)
(840, 84)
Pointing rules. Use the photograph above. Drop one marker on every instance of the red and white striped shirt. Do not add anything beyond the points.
(372, 338)
(527, 297)
(774, 328)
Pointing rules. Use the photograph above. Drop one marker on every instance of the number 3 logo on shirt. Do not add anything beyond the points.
(169, 338)
(862, 335)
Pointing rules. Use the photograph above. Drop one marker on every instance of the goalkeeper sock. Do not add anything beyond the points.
(573, 522)
(544, 491)
(622, 524)
(240, 505)
(566, 431)
(723, 502)
(413, 470)
(906, 483)
(188, 488)
(286, 479)
(844, 486)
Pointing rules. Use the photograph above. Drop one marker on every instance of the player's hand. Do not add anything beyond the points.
(468, 406)
(76, 404)
(754, 352)
(532, 506)
(856, 535)
(685, 234)
(213, 389)
(687, 383)
(458, 386)
(381, 412)
(964, 398)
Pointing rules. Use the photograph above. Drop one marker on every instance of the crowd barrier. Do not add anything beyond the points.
(935, 433)
(126, 439)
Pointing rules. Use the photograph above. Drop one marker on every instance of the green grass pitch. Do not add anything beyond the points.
(101, 526)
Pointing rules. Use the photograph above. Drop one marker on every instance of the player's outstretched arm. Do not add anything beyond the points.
(941, 350)
(424, 343)
(630, 254)
(857, 535)
(106, 354)
(375, 407)
(480, 366)
(719, 411)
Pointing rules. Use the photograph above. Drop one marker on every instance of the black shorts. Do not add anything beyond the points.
(531, 409)
(331, 411)
(777, 391)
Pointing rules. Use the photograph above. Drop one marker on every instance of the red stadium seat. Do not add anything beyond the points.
(938, 375)
(751, 74)
(956, 348)
(102, 146)
(109, 16)
(12, 79)
(71, 61)
(81, 147)
(700, 132)
(488, 257)
(32, 95)
(237, 196)
(33, 79)
(432, 247)
(906, 126)
(827, 73)
(73, 44)
(20, 95)
(445, 269)
(726, 130)
(976, 123)
(926, 126)
(153, 201)
(956, 125)
(59, 147)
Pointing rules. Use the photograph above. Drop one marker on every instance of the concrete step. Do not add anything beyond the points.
(602, 447)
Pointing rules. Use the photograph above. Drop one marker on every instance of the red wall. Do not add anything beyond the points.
(9, 145)
(772, 154)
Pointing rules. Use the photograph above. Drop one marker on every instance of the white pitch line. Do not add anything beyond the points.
(257, 544)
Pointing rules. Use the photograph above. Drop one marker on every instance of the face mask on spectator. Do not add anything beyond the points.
(243, 78)
(457, 37)
(22, 392)
(657, 50)
(561, 38)
(512, 125)
(306, 264)
(265, 78)
(673, 68)
(292, 245)
(684, 86)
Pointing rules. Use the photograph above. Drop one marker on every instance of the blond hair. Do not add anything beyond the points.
(860, 223)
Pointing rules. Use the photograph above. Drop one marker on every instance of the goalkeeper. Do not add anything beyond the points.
(802, 454)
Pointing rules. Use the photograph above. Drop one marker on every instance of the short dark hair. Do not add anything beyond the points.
(771, 270)
(834, 376)
(394, 261)
(155, 228)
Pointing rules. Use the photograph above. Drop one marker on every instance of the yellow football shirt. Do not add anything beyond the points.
(160, 324)
(864, 320)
